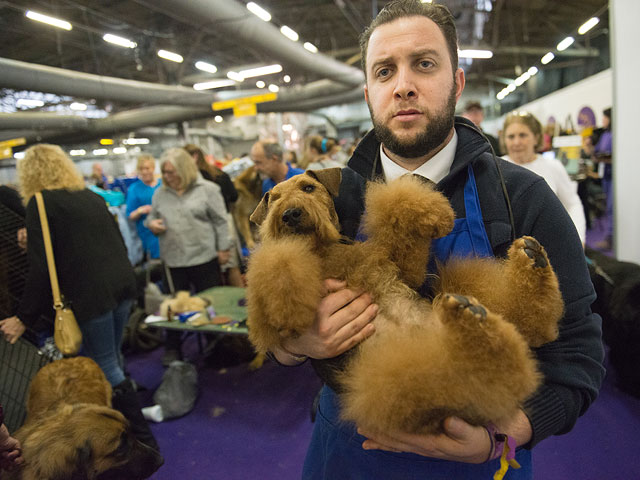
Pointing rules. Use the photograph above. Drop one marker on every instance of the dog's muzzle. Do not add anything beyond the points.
(292, 216)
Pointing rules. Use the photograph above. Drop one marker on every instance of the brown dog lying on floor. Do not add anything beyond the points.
(71, 431)
(465, 354)
(249, 187)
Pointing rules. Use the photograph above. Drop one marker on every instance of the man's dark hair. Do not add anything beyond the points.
(272, 149)
(439, 14)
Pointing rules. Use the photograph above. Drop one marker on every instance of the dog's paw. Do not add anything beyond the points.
(462, 309)
(528, 252)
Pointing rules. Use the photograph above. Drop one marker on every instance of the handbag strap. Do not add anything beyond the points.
(51, 263)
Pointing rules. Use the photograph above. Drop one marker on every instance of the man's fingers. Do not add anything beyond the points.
(337, 301)
(332, 285)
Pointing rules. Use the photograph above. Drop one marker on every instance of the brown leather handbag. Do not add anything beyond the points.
(66, 334)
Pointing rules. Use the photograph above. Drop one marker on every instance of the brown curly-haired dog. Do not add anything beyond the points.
(465, 354)
(71, 431)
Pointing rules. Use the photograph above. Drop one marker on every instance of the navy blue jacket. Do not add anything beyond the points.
(572, 365)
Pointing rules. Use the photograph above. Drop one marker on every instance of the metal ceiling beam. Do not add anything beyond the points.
(231, 18)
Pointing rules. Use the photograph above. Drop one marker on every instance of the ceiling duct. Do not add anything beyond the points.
(232, 19)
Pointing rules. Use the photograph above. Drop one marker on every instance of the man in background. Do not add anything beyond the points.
(268, 159)
(473, 111)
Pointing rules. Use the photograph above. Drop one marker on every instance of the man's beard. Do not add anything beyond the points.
(434, 134)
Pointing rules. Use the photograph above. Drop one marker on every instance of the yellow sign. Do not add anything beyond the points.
(245, 110)
(244, 106)
(14, 142)
(106, 141)
(5, 152)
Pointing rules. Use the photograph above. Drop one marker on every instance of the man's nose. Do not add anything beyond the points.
(405, 85)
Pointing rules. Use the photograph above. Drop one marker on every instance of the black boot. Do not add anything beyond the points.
(126, 401)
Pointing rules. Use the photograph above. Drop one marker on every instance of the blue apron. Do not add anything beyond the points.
(336, 449)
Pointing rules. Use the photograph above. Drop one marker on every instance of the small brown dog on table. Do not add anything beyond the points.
(71, 431)
(470, 346)
(249, 187)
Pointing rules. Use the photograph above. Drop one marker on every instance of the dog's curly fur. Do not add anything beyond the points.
(72, 433)
(427, 360)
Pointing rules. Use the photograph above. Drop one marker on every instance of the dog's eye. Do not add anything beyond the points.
(308, 188)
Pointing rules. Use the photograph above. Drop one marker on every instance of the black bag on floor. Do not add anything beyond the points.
(178, 391)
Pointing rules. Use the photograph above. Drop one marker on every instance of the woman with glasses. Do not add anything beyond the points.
(189, 217)
(522, 135)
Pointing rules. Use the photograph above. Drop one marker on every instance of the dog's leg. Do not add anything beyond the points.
(401, 219)
(284, 287)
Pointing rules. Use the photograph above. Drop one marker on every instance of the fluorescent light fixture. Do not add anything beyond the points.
(258, 72)
(532, 71)
(260, 84)
(77, 153)
(100, 151)
(258, 11)
(426, 1)
(78, 107)
(213, 84)
(564, 44)
(547, 58)
(29, 103)
(18, 155)
(218, 119)
(56, 22)
(206, 67)
(588, 25)
(121, 41)
(500, 95)
(519, 81)
(174, 57)
(511, 87)
(136, 141)
(475, 53)
(120, 150)
(289, 33)
(235, 76)
(273, 88)
(311, 47)
(287, 127)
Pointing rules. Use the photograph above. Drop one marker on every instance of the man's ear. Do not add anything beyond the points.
(260, 213)
(330, 178)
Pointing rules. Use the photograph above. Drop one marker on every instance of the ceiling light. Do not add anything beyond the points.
(273, 88)
(511, 87)
(123, 42)
(588, 25)
(213, 84)
(311, 47)
(500, 95)
(29, 103)
(174, 57)
(286, 79)
(289, 33)
(547, 58)
(519, 81)
(218, 119)
(79, 107)
(235, 76)
(475, 53)
(120, 150)
(19, 155)
(76, 153)
(257, 72)
(136, 141)
(426, 1)
(287, 127)
(206, 67)
(56, 22)
(260, 84)
(564, 44)
(532, 71)
(258, 11)
(100, 151)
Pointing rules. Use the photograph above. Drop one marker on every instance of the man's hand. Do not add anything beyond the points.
(157, 226)
(343, 320)
(22, 238)
(10, 450)
(460, 442)
(12, 329)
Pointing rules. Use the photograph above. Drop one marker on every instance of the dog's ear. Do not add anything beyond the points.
(83, 465)
(330, 178)
(260, 213)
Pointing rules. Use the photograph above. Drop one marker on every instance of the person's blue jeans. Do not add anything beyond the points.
(101, 339)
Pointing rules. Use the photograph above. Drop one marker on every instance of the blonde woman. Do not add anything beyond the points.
(190, 219)
(139, 197)
(94, 273)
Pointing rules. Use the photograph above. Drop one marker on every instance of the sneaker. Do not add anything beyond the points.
(170, 356)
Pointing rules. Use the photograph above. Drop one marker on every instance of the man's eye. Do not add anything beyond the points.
(308, 188)
(384, 72)
(426, 64)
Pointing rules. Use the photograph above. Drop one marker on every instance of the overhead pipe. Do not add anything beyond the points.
(232, 19)
(39, 120)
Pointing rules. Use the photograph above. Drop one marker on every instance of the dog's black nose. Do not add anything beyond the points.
(291, 216)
